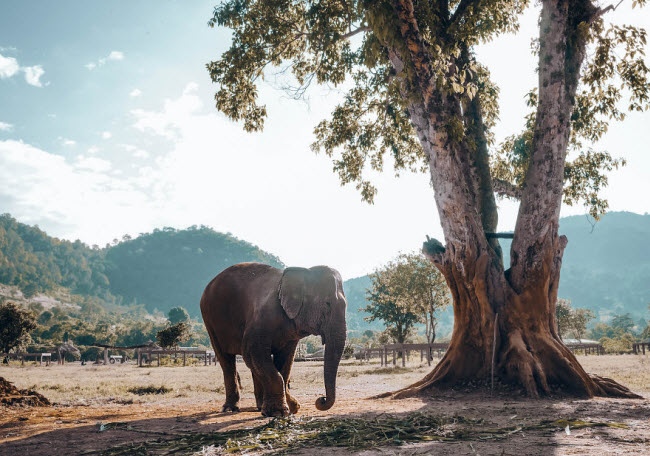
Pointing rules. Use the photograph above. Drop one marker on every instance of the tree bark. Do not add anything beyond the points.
(528, 350)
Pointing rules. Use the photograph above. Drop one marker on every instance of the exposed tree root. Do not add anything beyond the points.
(551, 368)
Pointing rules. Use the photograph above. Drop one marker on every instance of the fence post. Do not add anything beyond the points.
(403, 357)
(394, 360)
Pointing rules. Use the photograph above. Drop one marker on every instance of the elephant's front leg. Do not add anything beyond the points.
(283, 361)
(273, 399)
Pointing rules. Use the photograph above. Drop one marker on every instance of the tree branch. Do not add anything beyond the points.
(354, 32)
(602, 11)
(505, 188)
(460, 10)
(415, 46)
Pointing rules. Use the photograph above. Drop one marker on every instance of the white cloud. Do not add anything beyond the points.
(98, 165)
(114, 55)
(4, 126)
(71, 198)
(9, 67)
(33, 75)
(68, 142)
(92, 150)
(174, 115)
(106, 135)
(135, 151)
(135, 93)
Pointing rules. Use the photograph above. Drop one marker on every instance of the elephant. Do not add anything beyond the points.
(261, 313)
(65, 348)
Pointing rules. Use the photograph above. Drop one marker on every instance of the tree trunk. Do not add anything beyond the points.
(525, 349)
(528, 350)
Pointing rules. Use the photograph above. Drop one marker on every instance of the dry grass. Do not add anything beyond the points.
(632, 371)
(117, 383)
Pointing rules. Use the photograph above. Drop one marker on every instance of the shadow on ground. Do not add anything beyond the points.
(478, 413)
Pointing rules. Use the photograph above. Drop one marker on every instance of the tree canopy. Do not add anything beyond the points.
(15, 326)
(355, 44)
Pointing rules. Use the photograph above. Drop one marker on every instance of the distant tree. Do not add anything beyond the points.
(425, 288)
(85, 339)
(409, 285)
(173, 335)
(45, 317)
(623, 323)
(620, 344)
(388, 302)
(178, 314)
(15, 325)
(570, 321)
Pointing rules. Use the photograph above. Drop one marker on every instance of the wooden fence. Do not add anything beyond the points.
(428, 350)
(640, 347)
(147, 355)
(425, 350)
(41, 357)
(588, 349)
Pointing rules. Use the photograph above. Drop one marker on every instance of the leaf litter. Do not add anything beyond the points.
(289, 434)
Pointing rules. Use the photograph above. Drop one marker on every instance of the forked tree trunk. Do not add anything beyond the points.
(524, 348)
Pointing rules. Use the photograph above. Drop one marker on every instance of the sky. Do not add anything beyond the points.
(108, 127)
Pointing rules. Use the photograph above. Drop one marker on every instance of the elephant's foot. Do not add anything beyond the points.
(276, 407)
(230, 408)
(293, 404)
(259, 402)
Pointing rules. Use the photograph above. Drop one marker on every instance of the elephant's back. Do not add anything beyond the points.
(228, 301)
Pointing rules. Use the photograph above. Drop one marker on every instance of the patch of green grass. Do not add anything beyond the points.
(151, 389)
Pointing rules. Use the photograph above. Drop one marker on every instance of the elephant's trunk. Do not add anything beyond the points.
(334, 345)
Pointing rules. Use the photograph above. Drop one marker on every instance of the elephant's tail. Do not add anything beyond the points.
(239, 382)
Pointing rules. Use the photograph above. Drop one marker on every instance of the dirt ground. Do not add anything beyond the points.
(87, 397)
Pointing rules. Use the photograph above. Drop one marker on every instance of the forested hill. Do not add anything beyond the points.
(606, 266)
(169, 268)
(160, 270)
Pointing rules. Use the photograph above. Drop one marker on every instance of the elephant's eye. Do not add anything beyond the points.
(329, 304)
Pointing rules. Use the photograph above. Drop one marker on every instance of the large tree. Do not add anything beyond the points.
(418, 93)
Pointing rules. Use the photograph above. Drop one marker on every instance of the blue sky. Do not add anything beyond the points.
(108, 127)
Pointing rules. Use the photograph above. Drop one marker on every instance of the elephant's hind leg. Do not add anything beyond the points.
(259, 392)
(231, 381)
(283, 361)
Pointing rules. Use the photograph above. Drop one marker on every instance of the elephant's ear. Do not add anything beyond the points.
(292, 290)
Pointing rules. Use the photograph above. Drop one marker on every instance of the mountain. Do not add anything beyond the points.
(606, 266)
(36, 262)
(169, 268)
(161, 270)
